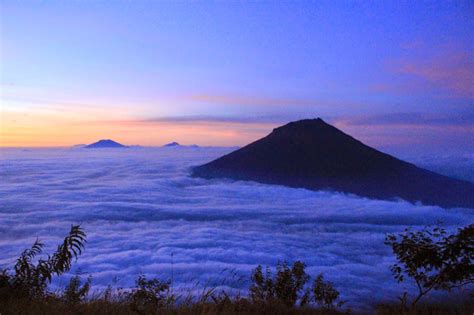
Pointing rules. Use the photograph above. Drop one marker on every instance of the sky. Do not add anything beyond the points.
(397, 75)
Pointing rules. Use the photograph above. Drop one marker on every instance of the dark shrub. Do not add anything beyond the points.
(325, 294)
(286, 287)
(75, 291)
(30, 280)
(149, 295)
(433, 260)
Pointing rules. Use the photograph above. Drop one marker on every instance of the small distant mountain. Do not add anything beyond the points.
(106, 143)
(77, 146)
(315, 155)
(176, 144)
(172, 144)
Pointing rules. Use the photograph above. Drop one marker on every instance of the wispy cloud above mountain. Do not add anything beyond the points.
(252, 64)
(442, 70)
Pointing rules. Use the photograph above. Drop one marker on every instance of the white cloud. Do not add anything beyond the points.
(144, 214)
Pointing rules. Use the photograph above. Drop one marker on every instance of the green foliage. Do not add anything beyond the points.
(325, 294)
(30, 279)
(434, 260)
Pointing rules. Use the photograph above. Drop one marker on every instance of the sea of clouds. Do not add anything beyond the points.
(144, 214)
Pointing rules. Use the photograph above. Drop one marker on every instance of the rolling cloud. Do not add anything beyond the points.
(145, 215)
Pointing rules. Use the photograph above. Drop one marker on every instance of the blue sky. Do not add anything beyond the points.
(392, 73)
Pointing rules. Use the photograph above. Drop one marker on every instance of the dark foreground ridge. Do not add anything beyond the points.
(315, 155)
(105, 144)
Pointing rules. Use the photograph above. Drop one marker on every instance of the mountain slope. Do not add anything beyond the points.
(315, 155)
(104, 144)
(172, 144)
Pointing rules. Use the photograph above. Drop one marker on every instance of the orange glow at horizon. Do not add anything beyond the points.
(20, 128)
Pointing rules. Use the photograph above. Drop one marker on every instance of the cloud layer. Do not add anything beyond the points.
(144, 215)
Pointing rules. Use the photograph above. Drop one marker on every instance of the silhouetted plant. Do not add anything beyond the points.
(286, 287)
(324, 293)
(432, 259)
(75, 291)
(290, 283)
(262, 289)
(149, 295)
(30, 279)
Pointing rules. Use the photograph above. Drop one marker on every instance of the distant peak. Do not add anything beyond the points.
(105, 143)
(172, 144)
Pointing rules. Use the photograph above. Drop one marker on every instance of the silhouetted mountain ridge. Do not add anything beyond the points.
(105, 143)
(172, 144)
(175, 144)
(315, 155)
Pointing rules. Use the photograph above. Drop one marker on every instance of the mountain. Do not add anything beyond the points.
(172, 144)
(315, 155)
(78, 146)
(176, 144)
(104, 144)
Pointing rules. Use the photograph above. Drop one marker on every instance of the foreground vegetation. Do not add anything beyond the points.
(430, 258)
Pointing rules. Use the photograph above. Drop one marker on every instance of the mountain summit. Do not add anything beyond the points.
(315, 155)
(172, 144)
(107, 143)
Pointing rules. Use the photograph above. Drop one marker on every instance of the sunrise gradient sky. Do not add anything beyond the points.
(397, 75)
